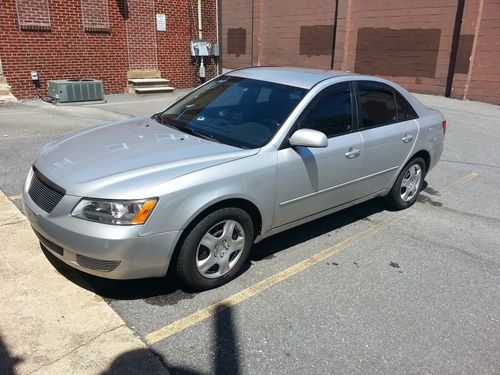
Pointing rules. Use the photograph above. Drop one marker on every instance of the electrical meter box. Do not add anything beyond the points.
(201, 47)
(216, 50)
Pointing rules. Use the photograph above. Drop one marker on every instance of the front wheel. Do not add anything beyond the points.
(405, 191)
(215, 249)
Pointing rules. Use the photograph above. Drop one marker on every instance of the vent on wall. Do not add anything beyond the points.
(75, 90)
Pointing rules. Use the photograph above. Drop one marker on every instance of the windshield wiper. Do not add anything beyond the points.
(199, 133)
(158, 117)
(185, 129)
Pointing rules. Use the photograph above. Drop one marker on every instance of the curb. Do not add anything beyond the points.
(49, 325)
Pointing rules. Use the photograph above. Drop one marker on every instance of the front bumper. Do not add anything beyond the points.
(110, 251)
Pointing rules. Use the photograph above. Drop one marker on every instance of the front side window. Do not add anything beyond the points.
(331, 112)
(376, 104)
(241, 112)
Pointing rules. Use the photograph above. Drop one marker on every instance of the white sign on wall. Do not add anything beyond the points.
(161, 22)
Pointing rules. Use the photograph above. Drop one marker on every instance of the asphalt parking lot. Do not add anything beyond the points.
(365, 290)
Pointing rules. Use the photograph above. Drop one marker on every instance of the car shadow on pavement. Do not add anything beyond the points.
(224, 346)
(269, 247)
(7, 361)
(153, 289)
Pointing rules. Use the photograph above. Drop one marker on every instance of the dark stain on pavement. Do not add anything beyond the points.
(393, 264)
(428, 200)
(431, 191)
(169, 299)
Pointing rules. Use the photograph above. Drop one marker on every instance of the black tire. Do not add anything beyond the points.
(394, 198)
(186, 263)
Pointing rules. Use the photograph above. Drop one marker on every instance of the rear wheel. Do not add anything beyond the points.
(215, 249)
(405, 191)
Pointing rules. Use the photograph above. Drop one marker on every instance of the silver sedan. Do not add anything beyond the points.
(247, 155)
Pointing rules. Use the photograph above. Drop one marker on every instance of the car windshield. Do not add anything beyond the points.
(241, 112)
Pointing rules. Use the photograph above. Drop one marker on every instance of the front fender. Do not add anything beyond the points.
(183, 199)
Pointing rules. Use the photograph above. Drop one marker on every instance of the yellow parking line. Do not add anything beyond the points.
(460, 181)
(200, 315)
(203, 314)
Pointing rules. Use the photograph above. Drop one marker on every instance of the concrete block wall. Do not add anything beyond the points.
(409, 42)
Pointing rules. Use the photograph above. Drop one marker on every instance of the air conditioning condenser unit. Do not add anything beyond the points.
(75, 90)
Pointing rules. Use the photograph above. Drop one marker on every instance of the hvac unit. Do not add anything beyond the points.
(75, 90)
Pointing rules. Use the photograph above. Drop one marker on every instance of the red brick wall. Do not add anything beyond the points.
(141, 35)
(95, 15)
(173, 45)
(67, 50)
(33, 14)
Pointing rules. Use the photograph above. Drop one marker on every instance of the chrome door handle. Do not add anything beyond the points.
(407, 138)
(352, 153)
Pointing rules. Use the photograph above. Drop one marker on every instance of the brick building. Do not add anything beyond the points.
(108, 40)
(445, 47)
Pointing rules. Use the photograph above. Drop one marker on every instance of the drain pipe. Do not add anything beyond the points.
(200, 29)
(200, 36)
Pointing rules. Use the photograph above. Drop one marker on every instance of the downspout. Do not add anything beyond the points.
(334, 37)
(218, 18)
(200, 36)
(200, 28)
(473, 53)
(454, 47)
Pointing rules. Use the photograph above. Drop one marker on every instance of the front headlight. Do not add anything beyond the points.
(115, 211)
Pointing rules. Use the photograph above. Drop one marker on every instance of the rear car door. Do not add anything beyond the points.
(311, 180)
(389, 130)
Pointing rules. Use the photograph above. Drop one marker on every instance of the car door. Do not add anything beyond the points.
(387, 125)
(311, 180)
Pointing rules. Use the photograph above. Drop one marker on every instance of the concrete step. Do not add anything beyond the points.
(7, 99)
(4, 89)
(5, 94)
(148, 81)
(153, 89)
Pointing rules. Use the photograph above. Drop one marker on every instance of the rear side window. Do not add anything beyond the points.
(331, 112)
(404, 109)
(376, 104)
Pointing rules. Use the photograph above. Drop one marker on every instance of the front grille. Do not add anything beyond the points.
(44, 193)
(49, 244)
(97, 264)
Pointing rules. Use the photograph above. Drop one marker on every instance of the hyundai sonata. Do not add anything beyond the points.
(247, 155)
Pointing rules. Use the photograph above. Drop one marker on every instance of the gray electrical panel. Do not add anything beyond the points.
(200, 47)
(75, 90)
(216, 50)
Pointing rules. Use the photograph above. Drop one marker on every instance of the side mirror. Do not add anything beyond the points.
(308, 138)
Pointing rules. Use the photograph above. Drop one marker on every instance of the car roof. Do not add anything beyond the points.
(299, 77)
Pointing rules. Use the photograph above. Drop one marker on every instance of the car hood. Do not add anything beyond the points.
(96, 161)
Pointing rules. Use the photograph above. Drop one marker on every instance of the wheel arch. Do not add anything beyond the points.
(424, 154)
(244, 204)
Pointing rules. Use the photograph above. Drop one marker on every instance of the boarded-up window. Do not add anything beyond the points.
(33, 14)
(316, 40)
(95, 16)
(237, 41)
(404, 52)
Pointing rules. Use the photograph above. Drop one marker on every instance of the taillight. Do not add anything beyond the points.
(444, 126)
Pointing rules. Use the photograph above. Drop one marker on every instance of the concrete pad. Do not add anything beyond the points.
(49, 325)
